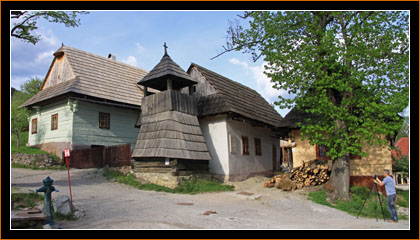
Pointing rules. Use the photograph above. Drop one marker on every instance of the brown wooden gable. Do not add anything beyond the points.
(60, 71)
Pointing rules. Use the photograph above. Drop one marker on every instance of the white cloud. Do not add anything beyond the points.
(44, 56)
(131, 60)
(264, 84)
(140, 48)
(28, 60)
(48, 37)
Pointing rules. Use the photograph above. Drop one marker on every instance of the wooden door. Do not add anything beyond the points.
(274, 157)
(290, 157)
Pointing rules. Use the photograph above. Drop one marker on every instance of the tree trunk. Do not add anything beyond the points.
(340, 177)
(18, 140)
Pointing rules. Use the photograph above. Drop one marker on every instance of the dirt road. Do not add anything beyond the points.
(110, 205)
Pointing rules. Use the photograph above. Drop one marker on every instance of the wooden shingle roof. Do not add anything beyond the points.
(234, 97)
(166, 69)
(96, 76)
(293, 117)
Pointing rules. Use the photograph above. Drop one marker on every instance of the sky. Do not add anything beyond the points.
(137, 37)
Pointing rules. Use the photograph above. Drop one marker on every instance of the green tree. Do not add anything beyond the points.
(348, 70)
(32, 86)
(24, 22)
(19, 116)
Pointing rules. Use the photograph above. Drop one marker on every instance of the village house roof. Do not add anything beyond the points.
(292, 118)
(165, 69)
(403, 144)
(234, 97)
(95, 76)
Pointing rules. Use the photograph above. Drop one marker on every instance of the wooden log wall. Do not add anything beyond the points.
(169, 100)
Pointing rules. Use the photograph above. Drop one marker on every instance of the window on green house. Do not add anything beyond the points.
(104, 119)
(34, 126)
(54, 121)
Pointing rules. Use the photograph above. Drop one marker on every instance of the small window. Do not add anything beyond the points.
(321, 152)
(245, 146)
(232, 144)
(104, 119)
(54, 121)
(257, 143)
(34, 125)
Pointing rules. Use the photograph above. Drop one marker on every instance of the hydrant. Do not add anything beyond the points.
(47, 189)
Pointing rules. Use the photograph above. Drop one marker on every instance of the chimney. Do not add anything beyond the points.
(113, 57)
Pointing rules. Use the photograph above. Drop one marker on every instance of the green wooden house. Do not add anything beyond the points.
(85, 100)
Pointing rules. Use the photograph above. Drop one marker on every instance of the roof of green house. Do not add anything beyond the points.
(96, 76)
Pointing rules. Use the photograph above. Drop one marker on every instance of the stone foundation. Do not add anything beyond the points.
(37, 160)
(55, 148)
(162, 179)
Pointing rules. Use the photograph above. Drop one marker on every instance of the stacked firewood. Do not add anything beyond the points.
(309, 174)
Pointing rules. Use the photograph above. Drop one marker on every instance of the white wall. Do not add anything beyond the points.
(243, 166)
(235, 166)
(215, 132)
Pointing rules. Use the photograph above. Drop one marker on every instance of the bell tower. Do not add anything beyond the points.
(170, 140)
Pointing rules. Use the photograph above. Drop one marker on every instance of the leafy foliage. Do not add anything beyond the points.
(348, 70)
(31, 86)
(400, 163)
(19, 116)
(24, 22)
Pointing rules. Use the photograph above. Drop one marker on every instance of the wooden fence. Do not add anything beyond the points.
(101, 156)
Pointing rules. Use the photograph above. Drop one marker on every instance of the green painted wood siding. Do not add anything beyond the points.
(44, 133)
(86, 129)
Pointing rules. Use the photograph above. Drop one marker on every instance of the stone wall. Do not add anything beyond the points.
(36, 160)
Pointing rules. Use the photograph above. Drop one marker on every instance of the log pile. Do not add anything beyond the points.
(311, 173)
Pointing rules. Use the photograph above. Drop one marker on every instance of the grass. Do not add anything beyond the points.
(192, 186)
(358, 196)
(25, 200)
(402, 198)
(63, 217)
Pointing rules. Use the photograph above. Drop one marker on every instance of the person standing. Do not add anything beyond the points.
(391, 194)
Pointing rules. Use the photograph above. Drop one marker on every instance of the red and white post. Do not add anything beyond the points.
(67, 158)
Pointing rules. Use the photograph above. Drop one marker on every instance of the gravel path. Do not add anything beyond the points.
(110, 205)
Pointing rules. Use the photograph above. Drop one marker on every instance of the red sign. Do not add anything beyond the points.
(66, 152)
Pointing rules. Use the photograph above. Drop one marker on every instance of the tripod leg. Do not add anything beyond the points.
(365, 201)
(380, 204)
(376, 202)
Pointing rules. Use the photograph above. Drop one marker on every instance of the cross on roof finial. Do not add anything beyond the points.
(164, 45)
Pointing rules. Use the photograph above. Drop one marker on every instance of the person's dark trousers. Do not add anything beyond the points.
(391, 206)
